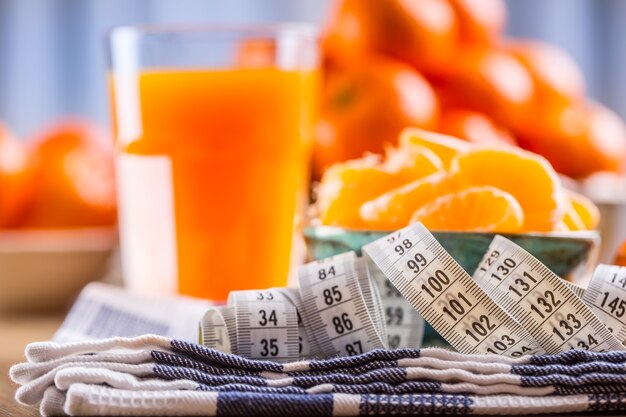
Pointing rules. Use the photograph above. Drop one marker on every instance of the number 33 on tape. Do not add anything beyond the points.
(446, 296)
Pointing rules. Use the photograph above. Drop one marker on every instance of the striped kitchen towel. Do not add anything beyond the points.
(154, 375)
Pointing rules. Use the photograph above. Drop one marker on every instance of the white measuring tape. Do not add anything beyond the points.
(405, 326)
(540, 301)
(446, 296)
(346, 305)
(606, 295)
(336, 310)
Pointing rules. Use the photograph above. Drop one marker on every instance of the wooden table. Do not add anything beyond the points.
(16, 331)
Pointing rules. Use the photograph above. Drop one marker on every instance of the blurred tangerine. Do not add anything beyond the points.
(75, 183)
(365, 106)
(480, 21)
(16, 179)
(474, 127)
(422, 33)
(486, 80)
(554, 72)
(577, 140)
(620, 256)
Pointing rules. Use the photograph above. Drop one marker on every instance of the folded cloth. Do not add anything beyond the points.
(154, 375)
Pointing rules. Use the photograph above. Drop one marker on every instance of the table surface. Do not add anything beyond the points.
(16, 331)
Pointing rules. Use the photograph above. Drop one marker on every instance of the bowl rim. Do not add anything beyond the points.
(84, 239)
(317, 230)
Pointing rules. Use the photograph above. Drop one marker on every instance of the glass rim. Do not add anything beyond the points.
(303, 29)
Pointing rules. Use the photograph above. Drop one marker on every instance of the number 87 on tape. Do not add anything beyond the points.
(334, 307)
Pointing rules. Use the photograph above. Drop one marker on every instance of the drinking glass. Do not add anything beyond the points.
(213, 130)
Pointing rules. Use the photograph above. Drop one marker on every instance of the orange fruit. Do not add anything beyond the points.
(412, 162)
(554, 72)
(256, 53)
(75, 183)
(393, 209)
(474, 127)
(571, 219)
(477, 209)
(444, 146)
(365, 105)
(16, 178)
(487, 80)
(577, 140)
(346, 186)
(620, 256)
(587, 211)
(527, 176)
(480, 21)
(422, 33)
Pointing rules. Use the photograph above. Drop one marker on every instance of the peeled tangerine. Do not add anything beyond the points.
(481, 209)
(526, 176)
(393, 210)
(581, 213)
(444, 146)
(450, 184)
(346, 186)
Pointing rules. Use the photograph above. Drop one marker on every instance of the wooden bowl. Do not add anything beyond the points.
(45, 269)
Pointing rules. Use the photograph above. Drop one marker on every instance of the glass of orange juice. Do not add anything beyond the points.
(213, 128)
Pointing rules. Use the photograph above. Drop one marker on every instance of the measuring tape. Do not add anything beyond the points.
(606, 296)
(540, 301)
(405, 326)
(336, 310)
(341, 320)
(346, 305)
(446, 296)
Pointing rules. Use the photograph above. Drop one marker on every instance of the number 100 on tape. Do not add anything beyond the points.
(446, 296)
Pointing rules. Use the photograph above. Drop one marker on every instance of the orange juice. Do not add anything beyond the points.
(235, 145)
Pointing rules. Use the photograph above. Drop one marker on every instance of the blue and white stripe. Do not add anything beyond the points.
(153, 375)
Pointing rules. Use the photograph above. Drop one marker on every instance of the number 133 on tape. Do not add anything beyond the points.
(446, 296)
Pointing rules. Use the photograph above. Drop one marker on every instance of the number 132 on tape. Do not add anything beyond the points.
(446, 296)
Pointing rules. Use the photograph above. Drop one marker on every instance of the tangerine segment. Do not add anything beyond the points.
(478, 209)
(412, 162)
(444, 146)
(528, 177)
(587, 211)
(346, 186)
(571, 218)
(394, 209)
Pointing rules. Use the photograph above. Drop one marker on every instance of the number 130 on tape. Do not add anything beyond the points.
(541, 301)
(446, 296)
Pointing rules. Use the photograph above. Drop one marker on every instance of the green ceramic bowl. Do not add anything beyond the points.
(567, 254)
